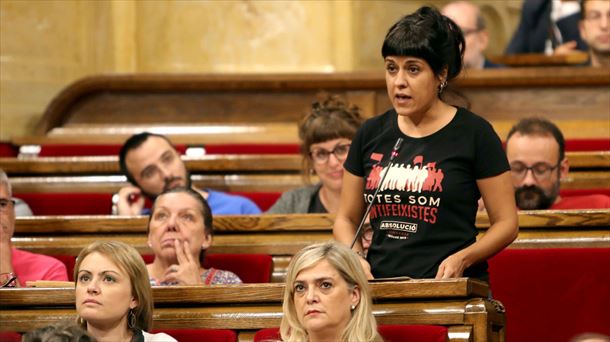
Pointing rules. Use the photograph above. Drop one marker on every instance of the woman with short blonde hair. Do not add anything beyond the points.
(327, 297)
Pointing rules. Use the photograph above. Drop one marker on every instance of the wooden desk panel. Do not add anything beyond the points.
(457, 303)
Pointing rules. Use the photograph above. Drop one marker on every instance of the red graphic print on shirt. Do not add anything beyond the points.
(408, 192)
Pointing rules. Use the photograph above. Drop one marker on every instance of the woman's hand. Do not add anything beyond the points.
(452, 267)
(188, 271)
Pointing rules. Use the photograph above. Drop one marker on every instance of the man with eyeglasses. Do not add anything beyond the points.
(595, 30)
(535, 149)
(17, 266)
(152, 165)
(468, 17)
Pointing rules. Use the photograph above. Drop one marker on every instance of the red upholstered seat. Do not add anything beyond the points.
(68, 203)
(9, 336)
(77, 203)
(552, 294)
(198, 335)
(250, 268)
(69, 261)
(584, 192)
(8, 150)
(587, 144)
(389, 333)
(415, 333)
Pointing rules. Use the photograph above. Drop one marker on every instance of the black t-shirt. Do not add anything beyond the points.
(315, 205)
(426, 207)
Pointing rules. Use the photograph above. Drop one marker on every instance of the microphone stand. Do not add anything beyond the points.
(368, 208)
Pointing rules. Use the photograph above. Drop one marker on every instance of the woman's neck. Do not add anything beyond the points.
(330, 199)
(113, 332)
(157, 269)
(325, 336)
(429, 121)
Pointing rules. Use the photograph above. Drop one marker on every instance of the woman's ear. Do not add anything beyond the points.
(207, 241)
(134, 303)
(356, 295)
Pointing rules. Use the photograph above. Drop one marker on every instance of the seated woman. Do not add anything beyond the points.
(327, 297)
(113, 295)
(326, 134)
(179, 233)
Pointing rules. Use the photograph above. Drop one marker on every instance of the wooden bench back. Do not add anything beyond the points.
(200, 109)
(281, 236)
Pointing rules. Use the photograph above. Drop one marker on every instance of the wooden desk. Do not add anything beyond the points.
(575, 59)
(460, 304)
(281, 236)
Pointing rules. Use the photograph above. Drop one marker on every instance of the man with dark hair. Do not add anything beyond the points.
(594, 28)
(17, 266)
(468, 17)
(152, 165)
(535, 149)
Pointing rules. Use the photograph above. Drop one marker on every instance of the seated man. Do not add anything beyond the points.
(21, 266)
(468, 17)
(535, 149)
(595, 30)
(547, 26)
(152, 164)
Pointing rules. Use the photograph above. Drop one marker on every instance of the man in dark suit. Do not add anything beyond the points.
(548, 26)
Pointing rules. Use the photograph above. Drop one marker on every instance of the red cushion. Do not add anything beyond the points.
(268, 334)
(8, 150)
(583, 192)
(9, 336)
(250, 268)
(253, 149)
(69, 261)
(420, 333)
(389, 333)
(68, 203)
(197, 335)
(552, 294)
(264, 200)
(587, 144)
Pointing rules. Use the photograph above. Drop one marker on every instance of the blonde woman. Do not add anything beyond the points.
(327, 297)
(113, 294)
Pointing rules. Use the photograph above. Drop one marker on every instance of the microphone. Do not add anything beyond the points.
(368, 208)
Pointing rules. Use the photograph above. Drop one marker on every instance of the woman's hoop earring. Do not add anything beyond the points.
(131, 322)
(442, 86)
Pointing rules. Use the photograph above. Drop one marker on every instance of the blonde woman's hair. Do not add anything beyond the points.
(362, 325)
(129, 261)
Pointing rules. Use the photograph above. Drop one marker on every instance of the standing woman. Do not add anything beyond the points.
(326, 134)
(113, 295)
(424, 213)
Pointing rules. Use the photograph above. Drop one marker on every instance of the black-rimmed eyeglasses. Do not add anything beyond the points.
(320, 155)
(541, 171)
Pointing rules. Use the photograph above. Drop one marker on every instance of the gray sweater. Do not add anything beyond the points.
(295, 201)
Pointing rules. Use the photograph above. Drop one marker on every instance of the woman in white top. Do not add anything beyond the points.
(113, 294)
